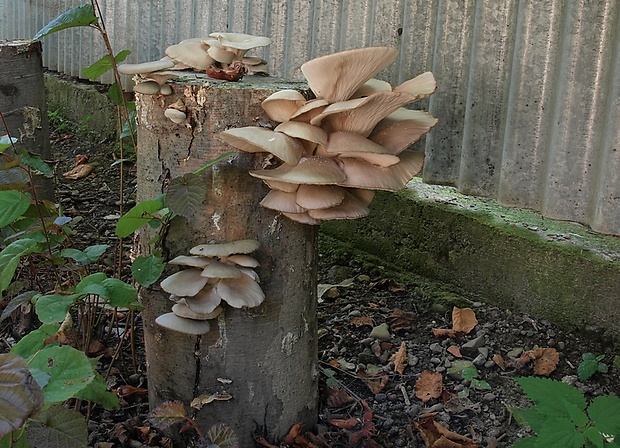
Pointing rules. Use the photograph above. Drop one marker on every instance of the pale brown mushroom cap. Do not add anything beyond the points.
(309, 110)
(371, 86)
(337, 76)
(221, 55)
(192, 52)
(175, 115)
(188, 260)
(185, 283)
(361, 174)
(240, 292)
(281, 186)
(145, 67)
(309, 170)
(147, 87)
(255, 139)
(243, 260)
(282, 202)
(350, 208)
(319, 196)
(303, 131)
(347, 144)
(240, 41)
(221, 270)
(182, 325)
(225, 249)
(182, 310)
(303, 218)
(206, 301)
(421, 86)
(402, 128)
(280, 105)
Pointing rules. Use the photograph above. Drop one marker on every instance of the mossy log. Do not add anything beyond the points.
(264, 357)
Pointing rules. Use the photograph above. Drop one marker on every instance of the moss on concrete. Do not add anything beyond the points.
(511, 257)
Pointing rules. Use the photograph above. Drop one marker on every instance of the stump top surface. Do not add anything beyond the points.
(16, 43)
(253, 82)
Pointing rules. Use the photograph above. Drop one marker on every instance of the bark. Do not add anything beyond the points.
(22, 101)
(265, 357)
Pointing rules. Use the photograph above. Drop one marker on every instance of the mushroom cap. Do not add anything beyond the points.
(319, 196)
(255, 139)
(282, 202)
(251, 61)
(240, 292)
(361, 174)
(282, 104)
(206, 301)
(175, 115)
(281, 186)
(189, 260)
(221, 270)
(225, 249)
(250, 273)
(243, 260)
(303, 218)
(182, 310)
(165, 89)
(350, 208)
(241, 41)
(337, 76)
(347, 144)
(421, 86)
(309, 110)
(147, 87)
(182, 325)
(402, 128)
(303, 131)
(221, 55)
(361, 115)
(373, 85)
(309, 170)
(192, 52)
(145, 67)
(185, 283)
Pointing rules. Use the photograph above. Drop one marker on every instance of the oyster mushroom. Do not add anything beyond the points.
(191, 52)
(239, 43)
(182, 325)
(256, 139)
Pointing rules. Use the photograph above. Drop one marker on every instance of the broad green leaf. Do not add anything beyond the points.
(12, 205)
(65, 427)
(92, 284)
(19, 440)
(210, 163)
(553, 397)
(529, 416)
(35, 162)
(104, 64)
(10, 257)
(129, 128)
(20, 396)
(42, 378)
(16, 302)
(526, 442)
(6, 142)
(88, 255)
(594, 436)
(605, 413)
(81, 16)
(223, 436)
(186, 194)
(97, 392)
(138, 216)
(560, 433)
(115, 93)
(69, 369)
(147, 270)
(120, 294)
(53, 308)
(34, 341)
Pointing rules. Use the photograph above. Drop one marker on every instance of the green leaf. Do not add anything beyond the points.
(80, 16)
(34, 341)
(526, 442)
(469, 373)
(104, 64)
(147, 270)
(138, 216)
(530, 417)
(587, 368)
(605, 413)
(92, 284)
(53, 308)
(19, 440)
(97, 392)
(12, 205)
(223, 436)
(35, 162)
(129, 128)
(88, 255)
(559, 433)
(480, 384)
(69, 369)
(594, 436)
(186, 194)
(59, 426)
(6, 142)
(10, 257)
(16, 302)
(120, 294)
(115, 93)
(210, 163)
(553, 397)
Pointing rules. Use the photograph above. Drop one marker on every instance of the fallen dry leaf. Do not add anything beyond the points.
(368, 429)
(400, 359)
(127, 391)
(400, 320)
(437, 436)
(342, 423)
(390, 284)
(429, 385)
(499, 361)
(338, 397)
(79, 172)
(376, 382)
(454, 351)
(200, 401)
(545, 360)
(362, 321)
(463, 322)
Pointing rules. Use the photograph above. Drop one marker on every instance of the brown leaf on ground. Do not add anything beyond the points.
(362, 321)
(338, 397)
(376, 348)
(429, 385)
(437, 436)
(499, 361)
(342, 423)
(454, 351)
(400, 320)
(365, 434)
(463, 322)
(80, 159)
(545, 360)
(390, 284)
(376, 382)
(79, 172)
(400, 359)
(127, 391)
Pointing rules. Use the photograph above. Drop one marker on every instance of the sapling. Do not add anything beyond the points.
(590, 365)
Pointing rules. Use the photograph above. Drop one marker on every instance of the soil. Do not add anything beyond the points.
(373, 322)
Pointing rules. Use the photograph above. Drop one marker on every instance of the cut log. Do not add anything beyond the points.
(264, 357)
(22, 102)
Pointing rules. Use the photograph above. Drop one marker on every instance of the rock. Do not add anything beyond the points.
(471, 347)
(484, 351)
(436, 348)
(380, 397)
(381, 332)
(488, 397)
(479, 360)
(515, 352)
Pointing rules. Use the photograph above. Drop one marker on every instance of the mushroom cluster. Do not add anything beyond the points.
(338, 148)
(221, 56)
(214, 272)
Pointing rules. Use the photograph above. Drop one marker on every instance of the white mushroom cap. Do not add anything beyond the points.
(240, 43)
(221, 55)
(225, 249)
(185, 283)
(282, 104)
(194, 261)
(281, 186)
(182, 310)
(337, 76)
(147, 87)
(165, 89)
(192, 52)
(175, 115)
(221, 270)
(309, 170)
(350, 208)
(347, 144)
(282, 202)
(255, 139)
(250, 273)
(240, 292)
(303, 131)
(205, 301)
(421, 86)
(361, 174)
(319, 196)
(187, 326)
(242, 260)
(145, 67)
(402, 128)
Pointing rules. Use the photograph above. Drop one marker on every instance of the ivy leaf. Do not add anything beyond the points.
(115, 93)
(605, 413)
(137, 216)
(186, 194)
(12, 205)
(88, 255)
(10, 257)
(223, 436)
(97, 392)
(116, 292)
(168, 414)
(147, 270)
(53, 308)
(104, 64)
(81, 16)
(65, 427)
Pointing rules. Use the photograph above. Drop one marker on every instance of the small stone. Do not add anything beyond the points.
(440, 369)
(435, 408)
(479, 360)
(355, 313)
(381, 332)
(561, 345)
(476, 304)
(436, 348)
(363, 278)
(489, 364)
(515, 352)
(388, 423)
(471, 347)
(484, 351)
(569, 379)
(412, 411)
(438, 308)
(436, 361)
(488, 397)
(380, 397)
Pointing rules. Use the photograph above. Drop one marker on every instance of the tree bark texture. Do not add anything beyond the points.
(22, 101)
(265, 357)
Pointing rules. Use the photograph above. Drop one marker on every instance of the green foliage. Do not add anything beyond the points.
(146, 270)
(58, 427)
(590, 365)
(103, 65)
(186, 194)
(6, 142)
(10, 257)
(561, 417)
(12, 205)
(81, 16)
(86, 256)
(139, 215)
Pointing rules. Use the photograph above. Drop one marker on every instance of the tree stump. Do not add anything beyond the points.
(22, 101)
(265, 357)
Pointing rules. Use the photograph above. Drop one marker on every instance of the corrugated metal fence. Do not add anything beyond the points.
(528, 96)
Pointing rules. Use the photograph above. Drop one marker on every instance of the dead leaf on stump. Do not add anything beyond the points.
(437, 436)
(400, 359)
(463, 322)
(400, 320)
(428, 386)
